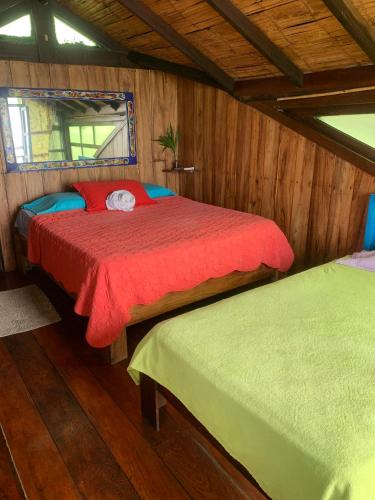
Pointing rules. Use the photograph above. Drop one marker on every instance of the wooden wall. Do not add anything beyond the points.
(250, 162)
(247, 161)
(156, 107)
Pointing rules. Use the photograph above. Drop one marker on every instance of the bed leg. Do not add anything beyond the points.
(151, 401)
(279, 276)
(118, 350)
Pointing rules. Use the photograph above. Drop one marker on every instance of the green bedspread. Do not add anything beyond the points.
(283, 377)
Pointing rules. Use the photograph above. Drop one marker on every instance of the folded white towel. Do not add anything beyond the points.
(120, 200)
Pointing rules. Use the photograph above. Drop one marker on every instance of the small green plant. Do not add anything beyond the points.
(170, 140)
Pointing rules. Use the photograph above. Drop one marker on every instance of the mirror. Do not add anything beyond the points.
(56, 129)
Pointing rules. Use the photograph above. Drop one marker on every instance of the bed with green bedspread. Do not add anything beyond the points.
(283, 377)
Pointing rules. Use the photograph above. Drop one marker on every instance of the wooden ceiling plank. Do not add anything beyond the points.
(354, 24)
(241, 23)
(157, 23)
(339, 79)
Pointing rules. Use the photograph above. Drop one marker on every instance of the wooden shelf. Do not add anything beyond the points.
(179, 170)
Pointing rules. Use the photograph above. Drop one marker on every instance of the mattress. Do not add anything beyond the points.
(23, 221)
(114, 260)
(283, 377)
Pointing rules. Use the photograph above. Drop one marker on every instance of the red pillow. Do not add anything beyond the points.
(95, 193)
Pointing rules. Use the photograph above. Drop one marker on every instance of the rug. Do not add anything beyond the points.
(24, 309)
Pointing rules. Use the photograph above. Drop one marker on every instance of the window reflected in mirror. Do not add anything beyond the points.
(60, 132)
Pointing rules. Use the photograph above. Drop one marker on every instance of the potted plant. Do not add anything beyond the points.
(170, 141)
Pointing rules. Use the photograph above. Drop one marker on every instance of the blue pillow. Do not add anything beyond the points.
(155, 191)
(56, 202)
(369, 243)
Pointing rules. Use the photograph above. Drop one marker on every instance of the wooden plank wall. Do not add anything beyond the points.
(156, 107)
(252, 163)
(247, 161)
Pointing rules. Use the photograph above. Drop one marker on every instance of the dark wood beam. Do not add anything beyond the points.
(363, 97)
(256, 37)
(149, 62)
(341, 109)
(8, 4)
(143, 12)
(19, 51)
(44, 28)
(322, 81)
(354, 24)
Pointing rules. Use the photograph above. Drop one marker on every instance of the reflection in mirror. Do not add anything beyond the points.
(60, 132)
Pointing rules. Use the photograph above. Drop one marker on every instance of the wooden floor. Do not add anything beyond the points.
(71, 427)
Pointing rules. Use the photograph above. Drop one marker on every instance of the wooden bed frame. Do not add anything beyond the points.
(118, 351)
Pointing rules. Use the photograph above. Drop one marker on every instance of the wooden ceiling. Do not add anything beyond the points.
(306, 31)
(260, 51)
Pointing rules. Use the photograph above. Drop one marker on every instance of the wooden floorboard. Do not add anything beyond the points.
(87, 414)
(140, 462)
(89, 461)
(37, 459)
(10, 485)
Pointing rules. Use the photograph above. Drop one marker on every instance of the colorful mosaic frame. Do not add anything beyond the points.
(91, 95)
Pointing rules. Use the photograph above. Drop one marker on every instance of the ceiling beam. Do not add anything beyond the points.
(345, 98)
(354, 24)
(258, 39)
(8, 4)
(149, 62)
(157, 23)
(323, 81)
(44, 28)
(19, 51)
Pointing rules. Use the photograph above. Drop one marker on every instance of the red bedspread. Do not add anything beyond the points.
(115, 260)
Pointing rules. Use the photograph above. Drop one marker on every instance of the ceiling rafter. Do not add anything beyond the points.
(354, 24)
(157, 23)
(45, 34)
(9, 4)
(329, 80)
(241, 23)
(146, 61)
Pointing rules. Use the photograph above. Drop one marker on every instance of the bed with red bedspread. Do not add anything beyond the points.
(112, 260)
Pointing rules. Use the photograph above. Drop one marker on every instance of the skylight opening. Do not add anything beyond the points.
(66, 35)
(20, 28)
(359, 126)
